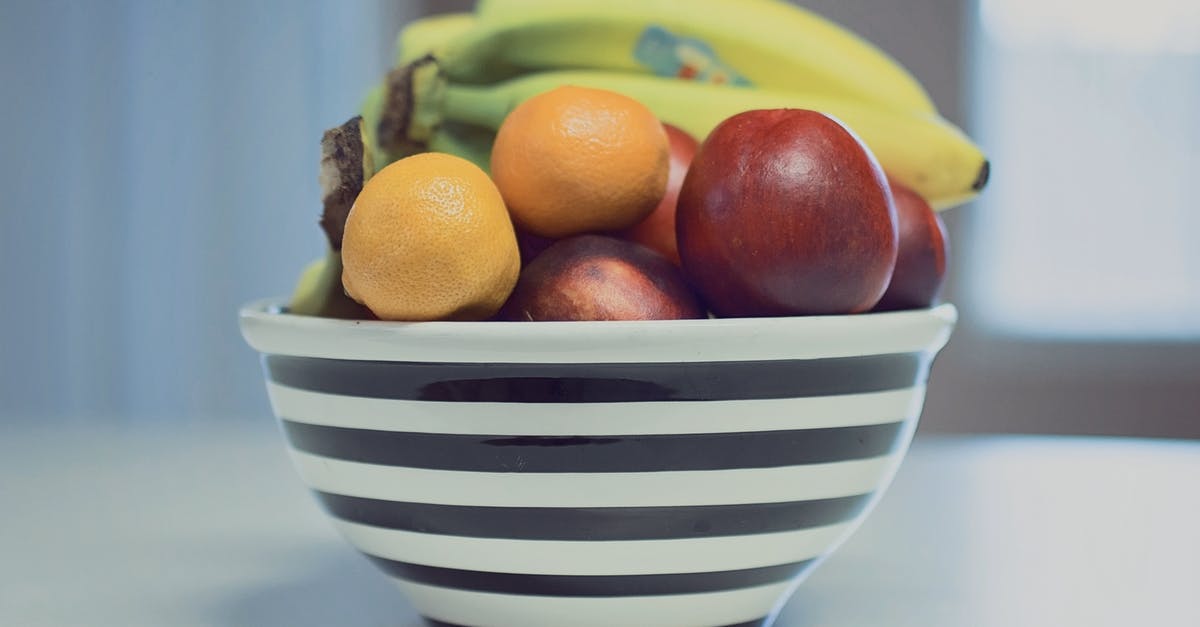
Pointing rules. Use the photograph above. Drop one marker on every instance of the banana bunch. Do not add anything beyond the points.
(757, 43)
(694, 64)
(423, 36)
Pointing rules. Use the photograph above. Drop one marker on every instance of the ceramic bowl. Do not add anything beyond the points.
(665, 473)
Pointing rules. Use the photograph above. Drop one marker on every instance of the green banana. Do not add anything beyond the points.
(767, 44)
(371, 110)
(395, 128)
(924, 152)
(308, 297)
(472, 143)
(423, 36)
(417, 40)
(319, 292)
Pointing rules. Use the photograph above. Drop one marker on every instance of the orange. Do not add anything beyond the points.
(429, 238)
(575, 160)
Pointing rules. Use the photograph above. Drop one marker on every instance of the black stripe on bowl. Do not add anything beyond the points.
(620, 453)
(590, 585)
(594, 523)
(599, 383)
(760, 622)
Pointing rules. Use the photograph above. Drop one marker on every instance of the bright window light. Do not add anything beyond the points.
(1091, 115)
(1145, 26)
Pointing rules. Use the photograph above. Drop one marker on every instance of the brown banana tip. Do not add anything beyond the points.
(398, 104)
(342, 176)
(981, 179)
(393, 119)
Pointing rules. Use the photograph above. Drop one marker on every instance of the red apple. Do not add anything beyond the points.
(657, 230)
(786, 212)
(921, 262)
(596, 277)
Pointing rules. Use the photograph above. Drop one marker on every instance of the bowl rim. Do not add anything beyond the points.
(269, 329)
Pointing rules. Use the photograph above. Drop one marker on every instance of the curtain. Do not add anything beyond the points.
(159, 169)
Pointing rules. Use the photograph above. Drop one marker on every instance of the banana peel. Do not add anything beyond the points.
(384, 110)
(766, 44)
(472, 143)
(346, 164)
(319, 291)
(430, 34)
(926, 153)
(398, 126)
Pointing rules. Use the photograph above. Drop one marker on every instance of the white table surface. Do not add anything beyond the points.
(208, 525)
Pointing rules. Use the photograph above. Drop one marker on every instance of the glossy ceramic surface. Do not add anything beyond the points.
(657, 473)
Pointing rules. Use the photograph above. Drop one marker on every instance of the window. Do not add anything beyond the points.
(1090, 113)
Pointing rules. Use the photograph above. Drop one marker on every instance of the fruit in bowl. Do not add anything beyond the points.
(561, 365)
(785, 212)
(921, 260)
(657, 230)
(593, 277)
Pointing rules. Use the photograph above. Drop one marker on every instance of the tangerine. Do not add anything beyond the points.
(429, 238)
(575, 160)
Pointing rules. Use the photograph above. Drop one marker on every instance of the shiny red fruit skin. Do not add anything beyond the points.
(924, 249)
(598, 277)
(657, 230)
(785, 212)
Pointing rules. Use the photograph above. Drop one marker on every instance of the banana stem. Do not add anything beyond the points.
(479, 106)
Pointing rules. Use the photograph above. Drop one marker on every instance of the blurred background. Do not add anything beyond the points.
(159, 170)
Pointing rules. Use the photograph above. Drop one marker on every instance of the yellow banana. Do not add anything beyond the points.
(924, 152)
(768, 44)
(420, 37)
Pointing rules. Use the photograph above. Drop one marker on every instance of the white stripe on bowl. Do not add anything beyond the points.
(623, 557)
(609, 489)
(661, 341)
(562, 419)
(466, 607)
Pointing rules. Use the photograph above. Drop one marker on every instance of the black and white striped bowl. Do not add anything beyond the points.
(666, 473)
